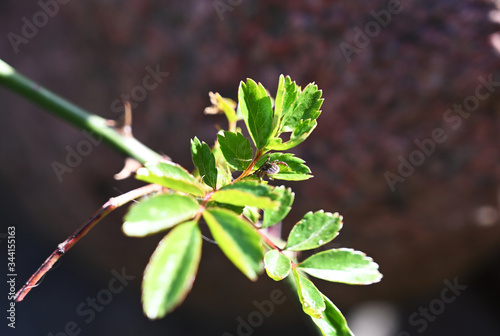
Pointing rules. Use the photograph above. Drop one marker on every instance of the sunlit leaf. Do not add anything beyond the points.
(171, 271)
(272, 216)
(204, 160)
(300, 132)
(246, 193)
(170, 175)
(332, 323)
(342, 265)
(238, 239)
(277, 265)
(306, 106)
(314, 230)
(158, 213)
(256, 108)
(287, 93)
(310, 297)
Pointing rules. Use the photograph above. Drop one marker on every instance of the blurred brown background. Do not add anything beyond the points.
(395, 87)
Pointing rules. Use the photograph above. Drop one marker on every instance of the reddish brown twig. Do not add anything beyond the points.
(62, 248)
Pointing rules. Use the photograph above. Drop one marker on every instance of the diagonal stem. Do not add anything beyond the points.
(62, 248)
(60, 107)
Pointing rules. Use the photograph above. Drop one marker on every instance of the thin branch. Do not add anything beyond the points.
(63, 109)
(62, 248)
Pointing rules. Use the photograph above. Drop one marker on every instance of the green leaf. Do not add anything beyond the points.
(204, 160)
(224, 175)
(256, 108)
(252, 214)
(300, 132)
(311, 298)
(296, 170)
(158, 213)
(332, 323)
(170, 175)
(314, 230)
(306, 106)
(246, 193)
(238, 239)
(277, 265)
(171, 271)
(287, 93)
(342, 265)
(236, 149)
(272, 216)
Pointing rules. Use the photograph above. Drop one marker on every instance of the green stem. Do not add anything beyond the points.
(63, 109)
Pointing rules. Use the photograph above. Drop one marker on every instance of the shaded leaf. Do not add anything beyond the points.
(204, 160)
(238, 239)
(256, 108)
(296, 170)
(314, 230)
(236, 149)
(246, 193)
(277, 265)
(342, 265)
(171, 271)
(332, 323)
(170, 175)
(272, 216)
(310, 297)
(158, 213)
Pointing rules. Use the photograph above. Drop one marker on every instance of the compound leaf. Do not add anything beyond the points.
(314, 230)
(171, 271)
(342, 265)
(158, 213)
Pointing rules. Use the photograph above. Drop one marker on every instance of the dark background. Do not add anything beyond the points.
(441, 223)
